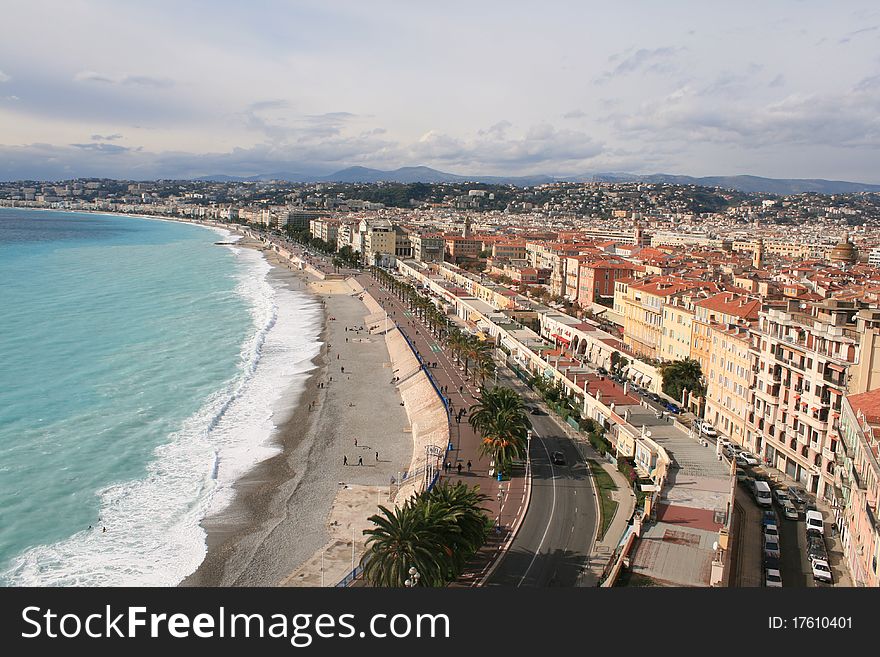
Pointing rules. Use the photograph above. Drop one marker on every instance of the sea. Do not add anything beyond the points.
(143, 370)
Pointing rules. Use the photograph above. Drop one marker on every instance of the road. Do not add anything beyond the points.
(556, 537)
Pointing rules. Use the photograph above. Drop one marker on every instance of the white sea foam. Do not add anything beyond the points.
(154, 536)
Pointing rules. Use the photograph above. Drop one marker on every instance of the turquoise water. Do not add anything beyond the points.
(128, 350)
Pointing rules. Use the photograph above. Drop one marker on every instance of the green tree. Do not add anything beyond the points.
(681, 374)
(500, 418)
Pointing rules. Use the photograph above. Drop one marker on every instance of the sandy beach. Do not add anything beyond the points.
(281, 514)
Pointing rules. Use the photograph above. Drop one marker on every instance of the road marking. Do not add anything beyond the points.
(552, 510)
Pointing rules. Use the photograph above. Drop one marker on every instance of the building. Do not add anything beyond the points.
(858, 486)
(676, 330)
(427, 247)
(643, 311)
(597, 278)
(378, 238)
(460, 248)
(728, 381)
(803, 355)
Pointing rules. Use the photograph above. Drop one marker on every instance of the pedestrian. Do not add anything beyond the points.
(460, 389)
(459, 469)
(377, 457)
(337, 356)
(344, 460)
(469, 465)
(360, 460)
(342, 369)
(355, 442)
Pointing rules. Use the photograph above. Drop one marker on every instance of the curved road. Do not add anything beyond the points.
(556, 537)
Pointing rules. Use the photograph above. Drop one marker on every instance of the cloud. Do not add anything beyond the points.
(126, 80)
(4, 77)
(112, 137)
(112, 149)
(493, 149)
(644, 60)
(841, 120)
(865, 30)
(575, 114)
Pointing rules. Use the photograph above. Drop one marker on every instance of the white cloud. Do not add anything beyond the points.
(4, 77)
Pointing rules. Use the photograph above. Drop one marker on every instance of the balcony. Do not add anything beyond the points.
(828, 455)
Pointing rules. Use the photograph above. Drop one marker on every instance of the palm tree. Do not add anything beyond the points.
(681, 374)
(483, 368)
(500, 418)
(405, 538)
(436, 532)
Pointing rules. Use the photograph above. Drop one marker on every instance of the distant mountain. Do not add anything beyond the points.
(406, 175)
(752, 184)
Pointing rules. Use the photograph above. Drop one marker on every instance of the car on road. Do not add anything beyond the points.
(654, 397)
(534, 410)
(675, 409)
(772, 574)
(816, 547)
(821, 571)
(789, 511)
(815, 522)
(558, 458)
(798, 496)
(780, 495)
(771, 547)
(708, 430)
(769, 518)
(741, 475)
(749, 459)
(771, 531)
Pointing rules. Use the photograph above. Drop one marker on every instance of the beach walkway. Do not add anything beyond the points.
(508, 500)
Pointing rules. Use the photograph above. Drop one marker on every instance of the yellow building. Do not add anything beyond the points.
(727, 381)
(675, 338)
(643, 311)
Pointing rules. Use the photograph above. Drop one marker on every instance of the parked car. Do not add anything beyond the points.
(772, 578)
(769, 518)
(750, 459)
(771, 548)
(602, 371)
(780, 495)
(534, 410)
(821, 571)
(654, 397)
(789, 511)
(771, 531)
(708, 430)
(558, 458)
(815, 523)
(798, 496)
(673, 408)
(762, 494)
(816, 547)
(741, 475)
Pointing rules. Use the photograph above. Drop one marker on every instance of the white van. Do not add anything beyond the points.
(762, 494)
(815, 522)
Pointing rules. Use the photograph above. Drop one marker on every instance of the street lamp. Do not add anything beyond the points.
(414, 578)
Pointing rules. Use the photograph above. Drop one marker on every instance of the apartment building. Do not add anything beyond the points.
(728, 381)
(460, 248)
(643, 311)
(676, 330)
(596, 280)
(377, 237)
(427, 247)
(804, 355)
(858, 486)
(325, 229)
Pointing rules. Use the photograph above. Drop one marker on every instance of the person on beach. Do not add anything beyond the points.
(344, 460)
(342, 369)
(355, 442)
(360, 460)
(377, 457)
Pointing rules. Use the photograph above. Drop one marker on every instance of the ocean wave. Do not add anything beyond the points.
(153, 527)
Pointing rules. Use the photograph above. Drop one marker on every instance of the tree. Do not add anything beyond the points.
(500, 418)
(436, 532)
(681, 374)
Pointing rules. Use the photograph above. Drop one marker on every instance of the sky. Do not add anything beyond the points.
(179, 89)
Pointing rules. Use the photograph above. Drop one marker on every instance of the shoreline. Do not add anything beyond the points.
(280, 516)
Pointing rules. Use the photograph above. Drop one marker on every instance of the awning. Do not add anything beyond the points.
(835, 367)
(561, 339)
